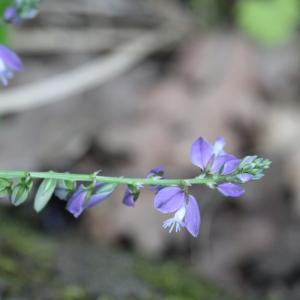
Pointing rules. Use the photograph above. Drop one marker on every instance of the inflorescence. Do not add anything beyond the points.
(217, 170)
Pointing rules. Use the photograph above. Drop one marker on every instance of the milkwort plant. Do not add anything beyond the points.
(217, 170)
(16, 12)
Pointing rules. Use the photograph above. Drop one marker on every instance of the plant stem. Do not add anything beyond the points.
(207, 180)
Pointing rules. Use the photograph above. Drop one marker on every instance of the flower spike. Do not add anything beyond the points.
(218, 170)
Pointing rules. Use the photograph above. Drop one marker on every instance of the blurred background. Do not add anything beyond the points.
(124, 86)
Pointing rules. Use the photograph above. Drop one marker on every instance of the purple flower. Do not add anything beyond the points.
(20, 11)
(230, 189)
(131, 194)
(185, 206)
(83, 198)
(75, 204)
(128, 198)
(11, 15)
(9, 63)
(156, 173)
(212, 158)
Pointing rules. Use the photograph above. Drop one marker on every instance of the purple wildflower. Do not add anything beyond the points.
(156, 173)
(230, 189)
(83, 198)
(131, 194)
(20, 11)
(212, 158)
(128, 198)
(11, 15)
(185, 206)
(9, 62)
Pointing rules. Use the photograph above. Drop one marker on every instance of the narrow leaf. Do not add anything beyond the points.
(44, 193)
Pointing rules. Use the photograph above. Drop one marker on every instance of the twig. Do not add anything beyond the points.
(87, 76)
(58, 41)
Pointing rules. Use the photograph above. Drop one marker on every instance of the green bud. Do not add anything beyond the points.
(64, 189)
(20, 192)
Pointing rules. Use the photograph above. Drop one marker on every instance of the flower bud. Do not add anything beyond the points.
(64, 189)
(20, 192)
(131, 195)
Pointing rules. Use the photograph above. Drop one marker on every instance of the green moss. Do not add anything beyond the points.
(175, 282)
(25, 257)
(34, 266)
(73, 292)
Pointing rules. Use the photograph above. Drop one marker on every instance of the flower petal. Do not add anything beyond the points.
(169, 199)
(219, 161)
(230, 166)
(11, 59)
(230, 189)
(244, 177)
(219, 145)
(156, 172)
(201, 153)
(128, 198)
(101, 193)
(76, 202)
(192, 218)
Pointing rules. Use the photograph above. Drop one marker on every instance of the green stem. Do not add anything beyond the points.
(208, 180)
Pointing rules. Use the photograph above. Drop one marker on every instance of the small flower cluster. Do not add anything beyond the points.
(227, 170)
(16, 13)
(218, 170)
(21, 10)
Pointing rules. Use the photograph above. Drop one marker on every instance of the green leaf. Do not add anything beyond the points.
(44, 193)
(4, 4)
(4, 39)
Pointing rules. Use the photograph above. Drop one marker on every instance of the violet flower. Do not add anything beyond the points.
(21, 10)
(11, 15)
(9, 63)
(83, 198)
(230, 189)
(131, 195)
(213, 160)
(185, 206)
(157, 173)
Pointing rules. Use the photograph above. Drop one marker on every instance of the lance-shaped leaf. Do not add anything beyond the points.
(44, 193)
